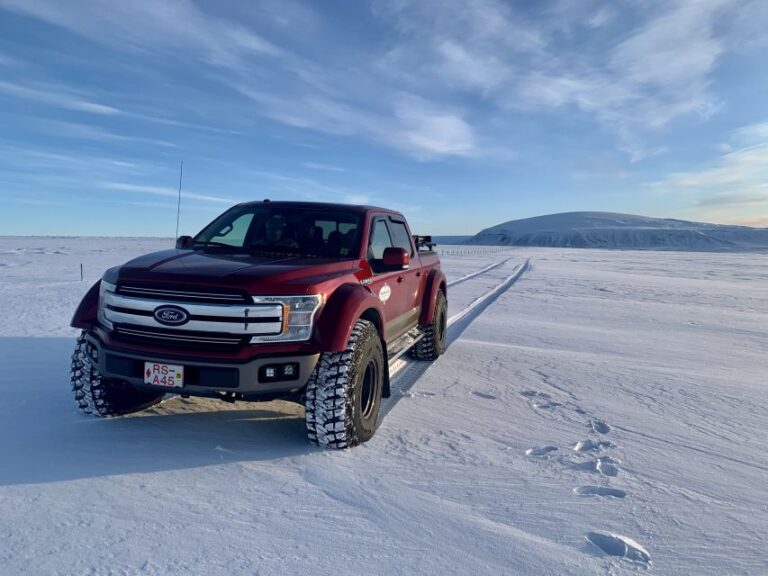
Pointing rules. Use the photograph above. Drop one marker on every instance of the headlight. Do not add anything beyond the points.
(104, 288)
(298, 317)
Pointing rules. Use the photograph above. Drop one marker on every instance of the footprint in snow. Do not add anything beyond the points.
(544, 404)
(605, 465)
(535, 394)
(590, 445)
(599, 427)
(418, 394)
(540, 400)
(599, 491)
(618, 545)
(540, 451)
(483, 395)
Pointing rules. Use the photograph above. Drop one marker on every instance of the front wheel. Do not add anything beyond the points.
(99, 396)
(343, 395)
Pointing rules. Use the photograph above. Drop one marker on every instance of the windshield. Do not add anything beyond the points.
(286, 230)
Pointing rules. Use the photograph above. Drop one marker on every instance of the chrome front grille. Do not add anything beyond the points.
(212, 318)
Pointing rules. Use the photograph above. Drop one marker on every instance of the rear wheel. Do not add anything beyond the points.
(99, 396)
(343, 395)
(433, 343)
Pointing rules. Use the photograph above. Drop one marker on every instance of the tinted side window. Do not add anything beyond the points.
(400, 237)
(379, 240)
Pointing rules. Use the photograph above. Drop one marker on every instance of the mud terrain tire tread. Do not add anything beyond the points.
(432, 345)
(99, 396)
(332, 411)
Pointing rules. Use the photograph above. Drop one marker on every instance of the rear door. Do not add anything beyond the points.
(388, 286)
(411, 279)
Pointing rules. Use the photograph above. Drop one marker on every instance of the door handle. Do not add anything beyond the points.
(400, 278)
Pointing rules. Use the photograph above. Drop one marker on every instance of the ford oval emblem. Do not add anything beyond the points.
(171, 315)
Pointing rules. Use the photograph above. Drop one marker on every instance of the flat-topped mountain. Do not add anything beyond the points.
(610, 230)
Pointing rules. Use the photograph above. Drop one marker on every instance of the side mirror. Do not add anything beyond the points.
(396, 258)
(183, 241)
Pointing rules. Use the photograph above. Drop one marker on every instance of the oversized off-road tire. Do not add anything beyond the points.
(433, 343)
(343, 395)
(101, 396)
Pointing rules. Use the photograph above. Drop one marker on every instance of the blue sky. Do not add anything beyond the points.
(461, 113)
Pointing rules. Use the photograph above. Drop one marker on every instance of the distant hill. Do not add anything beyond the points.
(609, 230)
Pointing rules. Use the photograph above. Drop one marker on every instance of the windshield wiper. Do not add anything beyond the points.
(284, 251)
(213, 243)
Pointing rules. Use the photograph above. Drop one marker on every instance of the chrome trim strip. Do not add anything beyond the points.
(167, 293)
(221, 310)
(178, 337)
(241, 329)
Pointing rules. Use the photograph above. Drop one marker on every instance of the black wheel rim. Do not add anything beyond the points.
(441, 325)
(369, 388)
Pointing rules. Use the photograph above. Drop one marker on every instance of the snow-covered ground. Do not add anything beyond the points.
(597, 400)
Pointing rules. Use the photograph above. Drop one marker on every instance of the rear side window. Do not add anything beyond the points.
(400, 237)
(379, 240)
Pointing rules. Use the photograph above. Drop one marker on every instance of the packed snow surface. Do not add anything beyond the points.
(597, 412)
(608, 230)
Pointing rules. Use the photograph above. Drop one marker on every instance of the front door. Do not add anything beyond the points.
(389, 286)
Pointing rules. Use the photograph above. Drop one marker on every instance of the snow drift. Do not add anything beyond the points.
(608, 230)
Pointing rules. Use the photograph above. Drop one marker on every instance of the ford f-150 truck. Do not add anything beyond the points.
(307, 302)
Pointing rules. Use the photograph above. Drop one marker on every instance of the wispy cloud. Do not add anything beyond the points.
(732, 185)
(162, 191)
(602, 17)
(413, 125)
(750, 135)
(6, 60)
(643, 82)
(745, 167)
(324, 167)
(47, 163)
(81, 131)
(45, 202)
(517, 62)
(147, 26)
(55, 96)
(433, 87)
(430, 131)
(419, 88)
(735, 199)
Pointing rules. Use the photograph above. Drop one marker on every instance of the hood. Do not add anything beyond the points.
(256, 274)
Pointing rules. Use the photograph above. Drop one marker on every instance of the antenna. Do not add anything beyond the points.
(178, 206)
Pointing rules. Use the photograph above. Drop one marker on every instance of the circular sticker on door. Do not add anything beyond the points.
(385, 293)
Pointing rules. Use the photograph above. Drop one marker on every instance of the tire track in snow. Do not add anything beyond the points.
(405, 372)
(478, 273)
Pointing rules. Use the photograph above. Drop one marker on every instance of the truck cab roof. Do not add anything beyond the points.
(323, 205)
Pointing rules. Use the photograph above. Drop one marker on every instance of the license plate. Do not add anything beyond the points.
(168, 375)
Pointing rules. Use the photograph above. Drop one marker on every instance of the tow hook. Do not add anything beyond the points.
(230, 397)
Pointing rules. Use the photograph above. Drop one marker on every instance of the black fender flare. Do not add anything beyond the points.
(435, 282)
(87, 311)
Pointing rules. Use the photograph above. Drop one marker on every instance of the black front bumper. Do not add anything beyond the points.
(201, 378)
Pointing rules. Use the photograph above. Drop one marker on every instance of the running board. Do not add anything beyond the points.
(403, 344)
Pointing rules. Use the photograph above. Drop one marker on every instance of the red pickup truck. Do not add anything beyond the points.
(307, 302)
